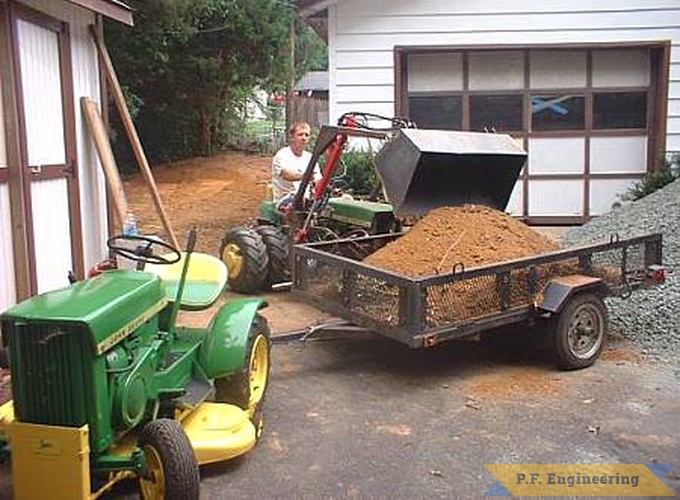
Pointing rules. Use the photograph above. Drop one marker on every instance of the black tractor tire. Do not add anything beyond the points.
(278, 253)
(245, 255)
(172, 471)
(247, 387)
(578, 334)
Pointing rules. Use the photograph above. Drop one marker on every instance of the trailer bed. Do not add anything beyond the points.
(424, 311)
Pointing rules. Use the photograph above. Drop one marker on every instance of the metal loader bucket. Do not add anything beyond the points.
(425, 169)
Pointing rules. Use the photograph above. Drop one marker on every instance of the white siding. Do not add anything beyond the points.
(85, 83)
(363, 35)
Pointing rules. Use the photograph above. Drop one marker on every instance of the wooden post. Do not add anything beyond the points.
(95, 125)
(291, 78)
(131, 132)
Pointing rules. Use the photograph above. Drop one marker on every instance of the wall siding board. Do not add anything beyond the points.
(524, 22)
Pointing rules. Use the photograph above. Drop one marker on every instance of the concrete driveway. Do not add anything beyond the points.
(368, 418)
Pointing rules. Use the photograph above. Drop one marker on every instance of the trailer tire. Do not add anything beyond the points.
(245, 255)
(247, 388)
(172, 470)
(278, 252)
(579, 333)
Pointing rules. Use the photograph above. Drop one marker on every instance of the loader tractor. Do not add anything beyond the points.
(418, 170)
(106, 387)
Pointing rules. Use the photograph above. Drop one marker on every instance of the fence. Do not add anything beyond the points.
(311, 110)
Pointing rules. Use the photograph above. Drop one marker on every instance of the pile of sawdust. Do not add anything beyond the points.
(470, 234)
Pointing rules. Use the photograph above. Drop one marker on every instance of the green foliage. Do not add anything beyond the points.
(189, 67)
(655, 180)
(359, 171)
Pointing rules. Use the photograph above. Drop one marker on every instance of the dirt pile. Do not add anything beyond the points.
(473, 235)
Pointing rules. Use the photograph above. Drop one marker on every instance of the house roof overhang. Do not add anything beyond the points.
(113, 9)
(308, 8)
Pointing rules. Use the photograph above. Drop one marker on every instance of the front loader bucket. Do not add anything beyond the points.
(425, 169)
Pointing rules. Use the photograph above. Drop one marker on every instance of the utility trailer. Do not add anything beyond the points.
(563, 290)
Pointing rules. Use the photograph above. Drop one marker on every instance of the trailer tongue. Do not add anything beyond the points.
(425, 169)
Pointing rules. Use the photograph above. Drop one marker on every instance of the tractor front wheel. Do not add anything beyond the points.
(171, 468)
(245, 255)
(278, 247)
(247, 387)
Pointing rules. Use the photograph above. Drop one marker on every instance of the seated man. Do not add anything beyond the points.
(289, 165)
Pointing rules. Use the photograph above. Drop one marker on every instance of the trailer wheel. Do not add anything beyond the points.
(278, 252)
(171, 468)
(245, 255)
(579, 333)
(246, 388)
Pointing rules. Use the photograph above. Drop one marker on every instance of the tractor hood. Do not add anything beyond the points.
(111, 304)
(425, 169)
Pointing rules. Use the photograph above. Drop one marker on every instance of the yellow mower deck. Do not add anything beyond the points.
(59, 456)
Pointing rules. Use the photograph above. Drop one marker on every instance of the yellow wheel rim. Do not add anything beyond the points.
(259, 371)
(153, 482)
(232, 257)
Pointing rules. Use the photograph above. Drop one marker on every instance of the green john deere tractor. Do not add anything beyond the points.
(106, 386)
(418, 170)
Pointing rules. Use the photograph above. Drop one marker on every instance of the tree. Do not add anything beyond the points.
(187, 67)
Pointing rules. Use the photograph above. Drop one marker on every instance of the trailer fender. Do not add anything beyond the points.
(223, 351)
(559, 290)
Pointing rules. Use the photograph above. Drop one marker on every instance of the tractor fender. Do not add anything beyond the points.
(559, 291)
(223, 351)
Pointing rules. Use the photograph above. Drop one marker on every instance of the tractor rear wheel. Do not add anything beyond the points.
(171, 468)
(245, 255)
(278, 251)
(247, 387)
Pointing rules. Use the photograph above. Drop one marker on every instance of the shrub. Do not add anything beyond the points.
(655, 180)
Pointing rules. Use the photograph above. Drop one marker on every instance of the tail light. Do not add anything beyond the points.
(656, 273)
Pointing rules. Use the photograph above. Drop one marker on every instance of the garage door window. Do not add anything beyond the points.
(557, 112)
(620, 110)
(496, 113)
(439, 112)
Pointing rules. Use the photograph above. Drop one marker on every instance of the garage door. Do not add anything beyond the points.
(583, 115)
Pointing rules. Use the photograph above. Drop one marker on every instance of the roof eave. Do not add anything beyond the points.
(315, 7)
(112, 9)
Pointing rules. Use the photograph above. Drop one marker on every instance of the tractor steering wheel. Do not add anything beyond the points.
(144, 251)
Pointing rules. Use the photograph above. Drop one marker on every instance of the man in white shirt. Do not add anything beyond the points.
(289, 164)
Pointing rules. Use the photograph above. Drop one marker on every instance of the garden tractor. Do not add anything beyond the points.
(107, 387)
(417, 170)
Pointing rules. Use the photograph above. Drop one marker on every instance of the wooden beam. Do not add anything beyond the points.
(131, 132)
(95, 126)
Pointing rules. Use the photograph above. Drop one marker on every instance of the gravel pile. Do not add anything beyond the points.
(650, 318)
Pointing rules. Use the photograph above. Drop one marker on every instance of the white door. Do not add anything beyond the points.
(48, 148)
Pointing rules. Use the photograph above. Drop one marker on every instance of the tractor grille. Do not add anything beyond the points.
(47, 374)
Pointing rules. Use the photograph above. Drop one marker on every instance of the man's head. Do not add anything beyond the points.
(299, 136)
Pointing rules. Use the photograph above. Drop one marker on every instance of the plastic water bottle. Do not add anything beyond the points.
(130, 225)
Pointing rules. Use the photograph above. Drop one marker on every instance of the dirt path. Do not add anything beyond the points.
(212, 194)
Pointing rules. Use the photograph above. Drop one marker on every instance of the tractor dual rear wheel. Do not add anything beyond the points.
(171, 467)
(245, 255)
(247, 387)
(278, 251)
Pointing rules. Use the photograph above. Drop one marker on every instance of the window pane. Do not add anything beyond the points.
(436, 112)
(620, 110)
(557, 112)
(496, 112)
